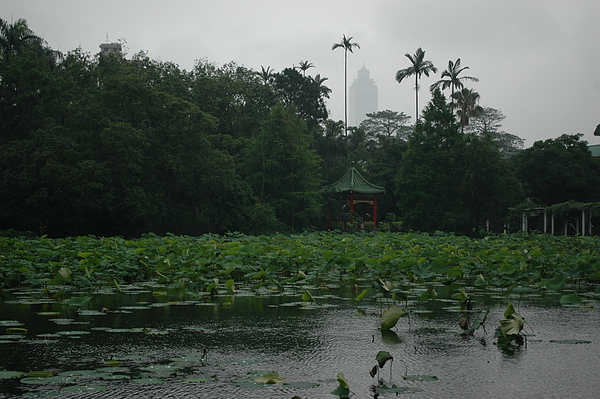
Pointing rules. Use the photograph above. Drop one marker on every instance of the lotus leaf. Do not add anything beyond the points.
(307, 297)
(230, 286)
(64, 273)
(343, 390)
(513, 322)
(79, 301)
(5, 374)
(390, 317)
(301, 385)
(40, 374)
(382, 358)
(269, 378)
(362, 295)
(570, 299)
(16, 330)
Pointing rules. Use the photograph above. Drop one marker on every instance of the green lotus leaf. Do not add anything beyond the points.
(5, 374)
(230, 286)
(362, 295)
(386, 285)
(45, 380)
(269, 378)
(570, 299)
(91, 313)
(307, 297)
(16, 330)
(556, 283)
(112, 363)
(10, 323)
(390, 317)
(301, 385)
(79, 301)
(513, 325)
(382, 358)
(374, 371)
(64, 272)
(509, 310)
(40, 374)
(343, 390)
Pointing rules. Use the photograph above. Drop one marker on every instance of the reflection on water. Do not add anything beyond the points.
(215, 350)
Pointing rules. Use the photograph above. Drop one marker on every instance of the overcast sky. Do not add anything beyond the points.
(538, 61)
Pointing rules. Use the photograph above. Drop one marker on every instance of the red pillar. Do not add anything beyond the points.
(375, 211)
(351, 207)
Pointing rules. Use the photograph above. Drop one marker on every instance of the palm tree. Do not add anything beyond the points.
(347, 45)
(305, 66)
(453, 80)
(265, 74)
(467, 102)
(14, 36)
(419, 67)
(318, 81)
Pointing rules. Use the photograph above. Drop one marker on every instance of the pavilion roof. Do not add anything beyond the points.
(354, 182)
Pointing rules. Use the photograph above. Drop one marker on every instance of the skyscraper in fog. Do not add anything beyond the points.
(363, 97)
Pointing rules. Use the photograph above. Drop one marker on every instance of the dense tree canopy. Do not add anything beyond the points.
(449, 180)
(115, 145)
(559, 170)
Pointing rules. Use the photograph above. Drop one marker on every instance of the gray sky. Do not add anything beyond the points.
(538, 61)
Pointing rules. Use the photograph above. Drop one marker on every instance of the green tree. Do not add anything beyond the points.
(386, 123)
(284, 171)
(558, 170)
(449, 180)
(488, 122)
(332, 147)
(318, 81)
(487, 186)
(305, 66)
(302, 93)
(347, 45)
(451, 78)
(266, 74)
(419, 67)
(467, 102)
(16, 36)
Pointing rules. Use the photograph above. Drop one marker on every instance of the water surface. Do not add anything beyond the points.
(171, 347)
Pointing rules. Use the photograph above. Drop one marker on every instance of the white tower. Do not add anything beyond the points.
(363, 97)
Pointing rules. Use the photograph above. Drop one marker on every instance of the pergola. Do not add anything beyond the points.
(355, 188)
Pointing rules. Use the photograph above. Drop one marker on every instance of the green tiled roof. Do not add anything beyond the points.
(352, 181)
(595, 150)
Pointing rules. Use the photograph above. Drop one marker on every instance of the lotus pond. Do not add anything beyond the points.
(315, 316)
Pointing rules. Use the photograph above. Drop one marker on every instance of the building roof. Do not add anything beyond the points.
(354, 182)
(595, 150)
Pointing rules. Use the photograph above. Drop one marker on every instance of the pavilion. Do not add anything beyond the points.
(354, 188)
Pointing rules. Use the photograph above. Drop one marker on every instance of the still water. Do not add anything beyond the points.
(150, 343)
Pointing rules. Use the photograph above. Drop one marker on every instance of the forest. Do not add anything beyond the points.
(125, 145)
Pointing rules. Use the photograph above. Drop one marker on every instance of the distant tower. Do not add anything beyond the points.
(110, 48)
(363, 97)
